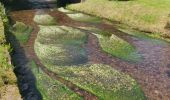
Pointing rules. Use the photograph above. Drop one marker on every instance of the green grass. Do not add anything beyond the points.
(7, 77)
(21, 31)
(144, 15)
(101, 80)
(45, 19)
(51, 89)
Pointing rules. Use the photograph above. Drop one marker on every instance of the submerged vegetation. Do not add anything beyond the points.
(115, 46)
(21, 31)
(59, 47)
(51, 89)
(62, 42)
(118, 47)
(44, 19)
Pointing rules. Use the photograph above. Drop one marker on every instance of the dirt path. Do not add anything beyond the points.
(153, 73)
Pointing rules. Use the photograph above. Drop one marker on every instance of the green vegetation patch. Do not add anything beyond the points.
(118, 47)
(21, 31)
(44, 19)
(6, 71)
(114, 45)
(51, 89)
(64, 45)
(101, 80)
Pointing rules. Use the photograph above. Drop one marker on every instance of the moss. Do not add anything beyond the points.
(52, 89)
(21, 31)
(45, 19)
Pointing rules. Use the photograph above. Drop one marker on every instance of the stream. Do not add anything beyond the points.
(152, 73)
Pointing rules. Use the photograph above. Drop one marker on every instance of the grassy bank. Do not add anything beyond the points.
(8, 79)
(145, 15)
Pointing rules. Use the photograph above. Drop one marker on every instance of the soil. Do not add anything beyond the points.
(153, 73)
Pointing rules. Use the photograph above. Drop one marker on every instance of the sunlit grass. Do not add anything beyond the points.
(145, 15)
(7, 76)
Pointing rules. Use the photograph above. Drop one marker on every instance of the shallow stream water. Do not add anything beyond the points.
(152, 73)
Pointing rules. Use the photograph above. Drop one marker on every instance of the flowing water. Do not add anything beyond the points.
(152, 73)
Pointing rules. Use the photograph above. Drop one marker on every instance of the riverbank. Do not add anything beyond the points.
(8, 81)
(150, 16)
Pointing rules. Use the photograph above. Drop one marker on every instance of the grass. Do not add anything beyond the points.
(145, 15)
(7, 76)
(101, 80)
(6, 72)
(21, 31)
(51, 89)
(44, 19)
